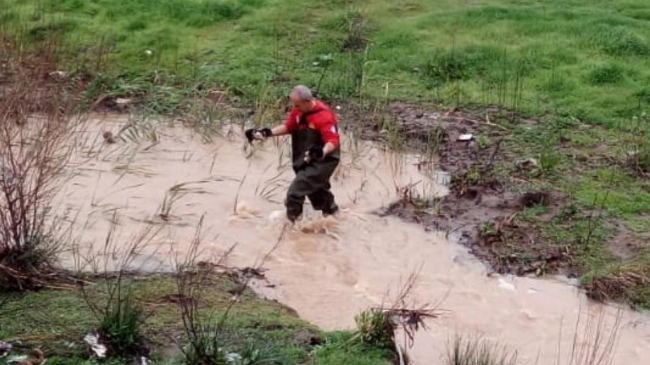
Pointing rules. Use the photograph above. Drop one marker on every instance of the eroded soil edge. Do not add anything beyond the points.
(490, 191)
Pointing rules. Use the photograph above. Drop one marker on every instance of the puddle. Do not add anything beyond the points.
(326, 269)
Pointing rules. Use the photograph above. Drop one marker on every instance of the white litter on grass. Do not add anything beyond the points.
(233, 358)
(465, 137)
(17, 359)
(93, 341)
(5, 347)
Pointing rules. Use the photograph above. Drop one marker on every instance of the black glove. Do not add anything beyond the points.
(250, 133)
(315, 153)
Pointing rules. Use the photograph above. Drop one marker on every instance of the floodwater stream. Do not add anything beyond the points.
(327, 269)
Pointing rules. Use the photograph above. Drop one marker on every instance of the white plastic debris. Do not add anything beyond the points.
(122, 101)
(93, 341)
(59, 73)
(526, 163)
(18, 359)
(5, 348)
(233, 358)
(465, 137)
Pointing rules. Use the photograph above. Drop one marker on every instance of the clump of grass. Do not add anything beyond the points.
(461, 64)
(357, 29)
(375, 329)
(638, 155)
(609, 73)
(483, 141)
(478, 352)
(119, 314)
(343, 348)
(122, 322)
(549, 160)
(624, 282)
(620, 41)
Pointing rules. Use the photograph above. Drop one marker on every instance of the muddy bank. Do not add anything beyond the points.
(489, 190)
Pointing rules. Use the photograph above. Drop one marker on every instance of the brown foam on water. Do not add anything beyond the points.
(327, 269)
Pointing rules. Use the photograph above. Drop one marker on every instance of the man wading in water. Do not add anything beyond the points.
(315, 147)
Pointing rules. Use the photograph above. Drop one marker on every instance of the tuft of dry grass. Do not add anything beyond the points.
(595, 344)
(478, 352)
(622, 284)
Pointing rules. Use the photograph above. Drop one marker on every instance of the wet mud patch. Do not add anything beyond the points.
(487, 192)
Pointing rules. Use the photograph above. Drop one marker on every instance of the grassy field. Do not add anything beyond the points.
(266, 331)
(583, 59)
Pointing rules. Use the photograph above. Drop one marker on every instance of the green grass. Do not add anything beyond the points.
(254, 324)
(588, 60)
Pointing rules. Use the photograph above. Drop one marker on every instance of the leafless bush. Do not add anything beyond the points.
(35, 129)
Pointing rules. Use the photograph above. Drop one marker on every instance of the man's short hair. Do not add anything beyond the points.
(303, 92)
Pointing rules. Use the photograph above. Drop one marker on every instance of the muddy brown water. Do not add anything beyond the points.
(327, 269)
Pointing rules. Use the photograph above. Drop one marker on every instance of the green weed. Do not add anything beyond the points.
(342, 348)
(374, 329)
(606, 74)
(121, 324)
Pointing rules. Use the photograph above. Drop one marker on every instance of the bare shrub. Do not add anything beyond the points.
(35, 129)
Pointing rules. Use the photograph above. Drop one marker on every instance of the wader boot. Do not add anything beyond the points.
(312, 179)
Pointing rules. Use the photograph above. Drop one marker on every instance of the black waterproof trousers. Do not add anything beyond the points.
(312, 181)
